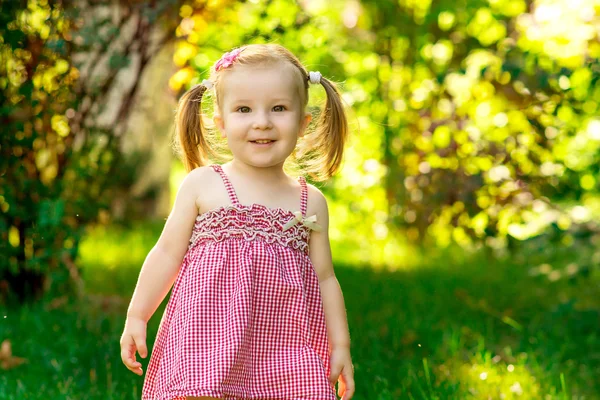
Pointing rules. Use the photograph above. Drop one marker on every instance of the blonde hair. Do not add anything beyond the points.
(319, 154)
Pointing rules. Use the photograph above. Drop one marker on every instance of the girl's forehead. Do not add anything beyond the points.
(251, 82)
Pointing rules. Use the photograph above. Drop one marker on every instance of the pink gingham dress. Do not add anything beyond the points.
(245, 318)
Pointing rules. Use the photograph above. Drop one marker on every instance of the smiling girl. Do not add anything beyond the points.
(256, 311)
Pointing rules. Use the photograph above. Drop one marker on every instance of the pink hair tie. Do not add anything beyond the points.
(228, 58)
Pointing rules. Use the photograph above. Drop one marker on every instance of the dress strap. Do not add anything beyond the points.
(228, 185)
(303, 195)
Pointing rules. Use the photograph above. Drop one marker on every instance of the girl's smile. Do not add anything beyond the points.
(262, 108)
(263, 143)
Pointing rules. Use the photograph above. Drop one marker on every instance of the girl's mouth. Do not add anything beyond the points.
(263, 143)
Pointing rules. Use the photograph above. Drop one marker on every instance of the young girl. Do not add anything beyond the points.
(255, 312)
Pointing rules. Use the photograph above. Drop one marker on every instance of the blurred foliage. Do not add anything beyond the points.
(472, 121)
(38, 224)
(58, 159)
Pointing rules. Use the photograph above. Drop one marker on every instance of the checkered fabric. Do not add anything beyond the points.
(245, 318)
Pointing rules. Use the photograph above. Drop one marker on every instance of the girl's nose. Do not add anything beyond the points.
(262, 121)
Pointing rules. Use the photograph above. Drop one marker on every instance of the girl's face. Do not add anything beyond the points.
(261, 104)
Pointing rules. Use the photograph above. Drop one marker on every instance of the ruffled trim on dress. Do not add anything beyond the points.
(254, 222)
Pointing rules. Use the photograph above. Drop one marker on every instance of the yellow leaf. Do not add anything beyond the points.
(441, 137)
(7, 361)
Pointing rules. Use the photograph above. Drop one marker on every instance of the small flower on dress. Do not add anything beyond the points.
(310, 222)
(228, 58)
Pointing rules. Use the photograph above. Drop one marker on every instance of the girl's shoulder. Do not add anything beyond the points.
(194, 177)
(209, 188)
(203, 175)
(315, 199)
(199, 179)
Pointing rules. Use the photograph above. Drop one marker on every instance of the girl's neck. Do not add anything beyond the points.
(268, 176)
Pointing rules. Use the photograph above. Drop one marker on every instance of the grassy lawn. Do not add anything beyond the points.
(457, 327)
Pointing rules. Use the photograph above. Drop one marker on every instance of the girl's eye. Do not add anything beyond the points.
(245, 109)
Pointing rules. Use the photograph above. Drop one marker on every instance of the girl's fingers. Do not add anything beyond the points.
(138, 371)
(348, 394)
(134, 366)
(134, 340)
(341, 388)
(333, 377)
(347, 383)
(128, 349)
(140, 344)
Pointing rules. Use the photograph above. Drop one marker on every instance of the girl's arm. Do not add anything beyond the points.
(341, 368)
(160, 270)
(320, 256)
(164, 260)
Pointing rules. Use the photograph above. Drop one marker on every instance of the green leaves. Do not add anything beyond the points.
(462, 107)
(51, 213)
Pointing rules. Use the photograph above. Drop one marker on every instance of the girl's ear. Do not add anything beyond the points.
(304, 124)
(220, 124)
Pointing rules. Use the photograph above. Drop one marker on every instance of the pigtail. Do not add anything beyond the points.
(329, 137)
(194, 148)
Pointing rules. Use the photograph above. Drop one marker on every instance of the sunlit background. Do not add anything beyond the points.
(464, 222)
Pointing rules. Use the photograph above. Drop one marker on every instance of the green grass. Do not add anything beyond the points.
(457, 327)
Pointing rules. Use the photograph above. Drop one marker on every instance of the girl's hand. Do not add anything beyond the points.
(132, 340)
(341, 364)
